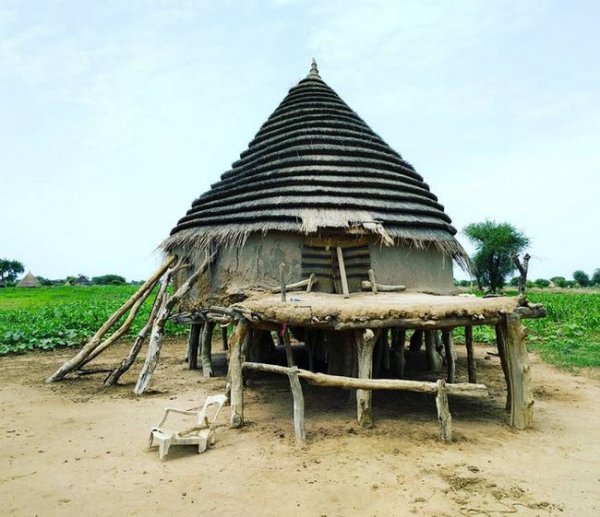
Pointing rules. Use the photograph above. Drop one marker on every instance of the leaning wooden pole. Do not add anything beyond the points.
(126, 363)
(501, 344)
(236, 398)
(158, 328)
(76, 361)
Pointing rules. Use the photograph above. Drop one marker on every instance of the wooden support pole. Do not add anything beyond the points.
(235, 373)
(224, 337)
(448, 341)
(283, 278)
(398, 352)
(76, 361)
(500, 343)
(289, 355)
(434, 360)
(344, 279)
(443, 411)
(373, 281)
(365, 341)
(416, 340)
(471, 369)
(298, 286)
(369, 285)
(298, 397)
(206, 349)
(116, 374)
(312, 280)
(193, 343)
(158, 328)
(521, 412)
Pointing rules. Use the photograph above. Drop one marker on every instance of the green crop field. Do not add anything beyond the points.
(46, 317)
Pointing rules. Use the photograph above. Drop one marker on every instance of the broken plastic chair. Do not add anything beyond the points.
(201, 434)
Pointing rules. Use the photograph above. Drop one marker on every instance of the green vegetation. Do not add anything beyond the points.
(9, 269)
(47, 317)
(568, 337)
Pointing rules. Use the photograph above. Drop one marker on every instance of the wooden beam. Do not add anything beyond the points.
(298, 286)
(344, 279)
(521, 411)
(472, 371)
(352, 383)
(370, 285)
(282, 278)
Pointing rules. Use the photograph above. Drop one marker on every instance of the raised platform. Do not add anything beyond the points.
(382, 310)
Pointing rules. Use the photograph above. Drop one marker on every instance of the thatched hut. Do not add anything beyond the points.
(321, 205)
(317, 177)
(29, 280)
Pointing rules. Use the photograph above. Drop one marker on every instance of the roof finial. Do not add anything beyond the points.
(314, 71)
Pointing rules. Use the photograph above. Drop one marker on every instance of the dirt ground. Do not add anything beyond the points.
(74, 448)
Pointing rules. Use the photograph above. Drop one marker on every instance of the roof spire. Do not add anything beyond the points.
(314, 71)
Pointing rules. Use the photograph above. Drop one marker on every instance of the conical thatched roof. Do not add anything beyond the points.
(29, 280)
(315, 166)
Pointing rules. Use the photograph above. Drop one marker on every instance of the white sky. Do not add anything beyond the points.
(115, 115)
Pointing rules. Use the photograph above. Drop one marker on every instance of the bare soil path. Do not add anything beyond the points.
(74, 448)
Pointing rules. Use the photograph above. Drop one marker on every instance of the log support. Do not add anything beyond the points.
(298, 397)
(521, 408)
(365, 341)
(342, 267)
(193, 344)
(448, 341)
(434, 360)
(501, 344)
(236, 380)
(398, 352)
(443, 411)
(472, 371)
(206, 350)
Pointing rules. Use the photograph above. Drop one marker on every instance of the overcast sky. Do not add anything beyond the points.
(115, 115)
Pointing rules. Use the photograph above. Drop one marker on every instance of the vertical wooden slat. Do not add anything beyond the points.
(340, 257)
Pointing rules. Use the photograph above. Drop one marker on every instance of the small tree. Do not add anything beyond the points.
(581, 278)
(9, 269)
(596, 277)
(108, 280)
(542, 282)
(496, 244)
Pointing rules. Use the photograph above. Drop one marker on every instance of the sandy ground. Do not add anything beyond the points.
(74, 448)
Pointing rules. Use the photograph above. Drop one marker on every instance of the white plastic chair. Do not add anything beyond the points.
(201, 434)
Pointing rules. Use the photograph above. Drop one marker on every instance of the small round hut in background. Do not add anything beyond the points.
(29, 280)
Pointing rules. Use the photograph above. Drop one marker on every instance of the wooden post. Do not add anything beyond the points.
(443, 411)
(283, 279)
(434, 361)
(500, 343)
(193, 343)
(235, 374)
(450, 354)
(224, 337)
(298, 397)
(521, 412)
(416, 340)
(372, 280)
(340, 257)
(311, 281)
(288, 349)
(310, 338)
(365, 341)
(206, 350)
(472, 371)
(398, 338)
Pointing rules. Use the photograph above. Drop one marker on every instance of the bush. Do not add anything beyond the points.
(542, 282)
(108, 280)
(559, 281)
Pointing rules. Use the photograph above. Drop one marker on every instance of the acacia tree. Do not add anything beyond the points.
(496, 244)
(9, 269)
